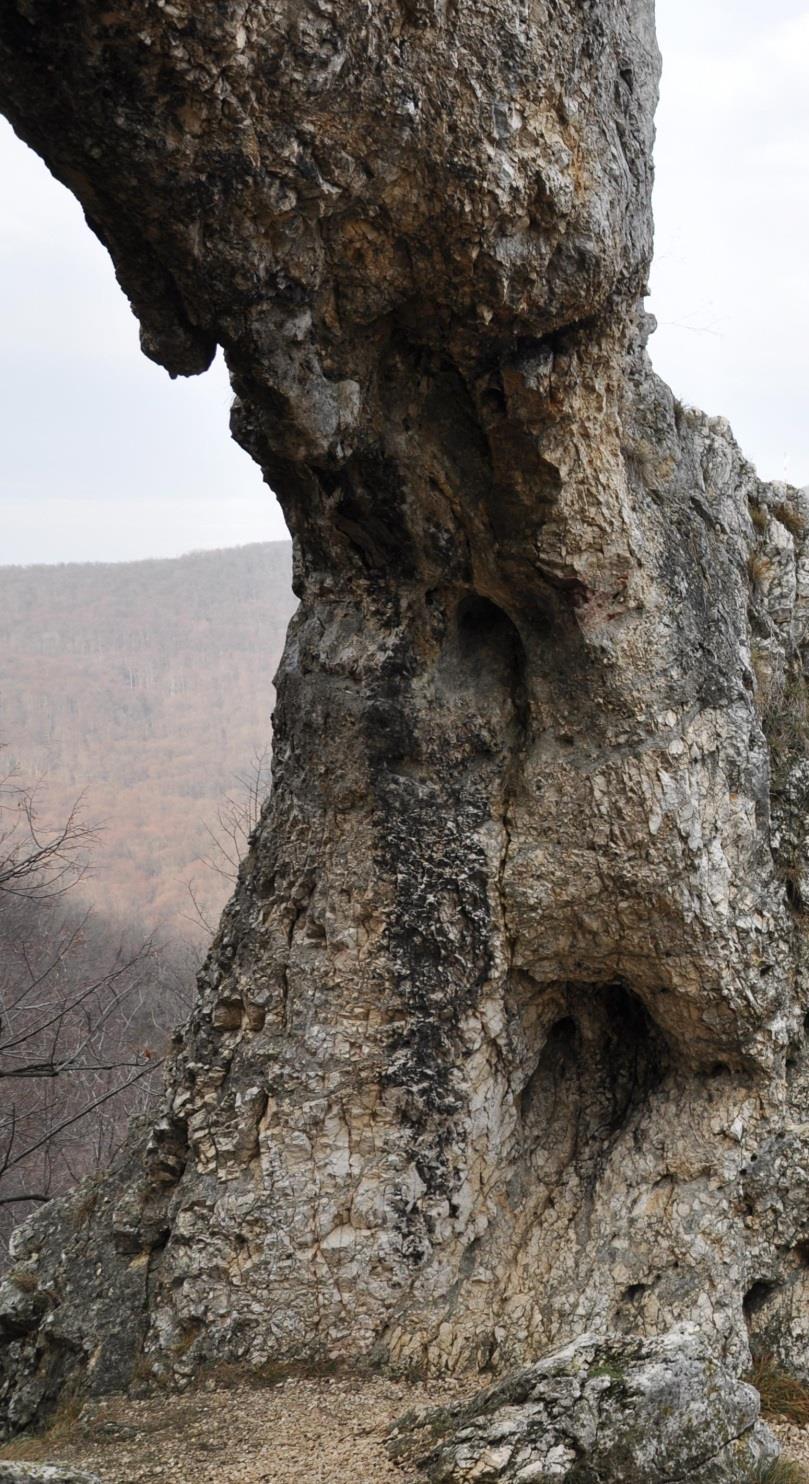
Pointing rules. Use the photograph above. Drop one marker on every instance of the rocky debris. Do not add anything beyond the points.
(613, 1411)
(71, 1283)
(43, 1473)
(502, 1040)
(794, 1442)
(299, 1431)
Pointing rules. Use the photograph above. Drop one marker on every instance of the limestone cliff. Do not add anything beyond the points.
(502, 1038)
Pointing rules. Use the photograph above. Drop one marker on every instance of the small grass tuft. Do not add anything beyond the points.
(85, 1206)
(785, 719)
(781, 1471)
(794, 519)
(769, 683)
(759, 568)
(24, 1280)
(60, 1427)
(782, 1396)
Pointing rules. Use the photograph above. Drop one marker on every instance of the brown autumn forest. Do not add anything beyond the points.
(146, 688)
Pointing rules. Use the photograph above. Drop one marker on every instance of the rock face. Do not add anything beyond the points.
(502, 1038)
(623, 1411)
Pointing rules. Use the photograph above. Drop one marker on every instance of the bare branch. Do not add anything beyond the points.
(83, 1113)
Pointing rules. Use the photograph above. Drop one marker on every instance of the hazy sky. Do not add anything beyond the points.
(730, 283)
(105, 458)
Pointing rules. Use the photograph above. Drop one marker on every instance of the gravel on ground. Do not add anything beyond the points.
(295, 1432)
(794, 1441)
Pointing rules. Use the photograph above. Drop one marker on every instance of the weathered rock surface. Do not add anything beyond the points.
(502, 1038)
(604, 1411)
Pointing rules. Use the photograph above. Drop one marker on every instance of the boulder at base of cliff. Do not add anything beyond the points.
(598, 1412)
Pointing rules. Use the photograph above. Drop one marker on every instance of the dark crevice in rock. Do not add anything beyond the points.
(595, 1070)
(757, 1297)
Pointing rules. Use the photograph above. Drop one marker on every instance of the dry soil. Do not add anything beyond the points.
(296, 1432)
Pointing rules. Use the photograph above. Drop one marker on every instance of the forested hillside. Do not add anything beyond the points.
(146, 687)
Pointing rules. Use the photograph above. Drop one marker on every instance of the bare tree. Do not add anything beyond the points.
(38, 863)
(85, 1008)
(229, 835)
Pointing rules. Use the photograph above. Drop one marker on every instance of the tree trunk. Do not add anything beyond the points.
(506, 1006)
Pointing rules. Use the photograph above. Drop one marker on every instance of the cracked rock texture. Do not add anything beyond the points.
(502, 1037)
(627, 1411)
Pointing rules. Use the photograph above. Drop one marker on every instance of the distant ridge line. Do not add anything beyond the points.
(195, 554)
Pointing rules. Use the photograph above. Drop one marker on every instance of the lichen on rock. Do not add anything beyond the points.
(613, 1409)
(501, 1040)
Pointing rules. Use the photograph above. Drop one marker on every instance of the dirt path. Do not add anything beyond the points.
(298, 1432)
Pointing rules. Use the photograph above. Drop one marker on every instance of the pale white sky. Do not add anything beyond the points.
(104, 458)
(731, 280)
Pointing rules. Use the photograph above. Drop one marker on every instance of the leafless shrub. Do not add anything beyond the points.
(229, 836)
(785, 718)
(85, 1008)
(35, 863)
